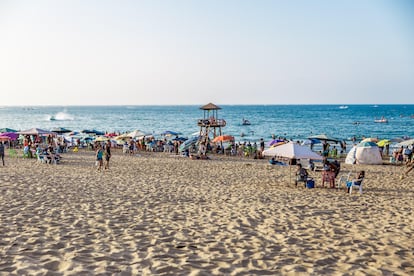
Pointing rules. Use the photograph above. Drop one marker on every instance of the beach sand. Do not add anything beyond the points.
(157, 214)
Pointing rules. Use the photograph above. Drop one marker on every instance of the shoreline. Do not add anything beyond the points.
(158, 214)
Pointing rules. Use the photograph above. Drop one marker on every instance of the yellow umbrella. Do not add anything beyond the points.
(101, 139)
(383, 143)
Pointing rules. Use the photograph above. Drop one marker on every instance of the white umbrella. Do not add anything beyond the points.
(136, 133)
(406, 143)
(292, 150)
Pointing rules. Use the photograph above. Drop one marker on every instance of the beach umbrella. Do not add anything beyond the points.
(370, 139)
(93, 131)
(36, 131)
(324, 137)
(181, 139)
(292, 151)
(383, 143)
(4, 138)
(101, 139)
(223, 138)
(396, 140)
(9, 136)
(275, 141)
(364, 143)
(136, 134)
(113, 134)
(170, 133)
(308, 142)
(6, 129)
(276, 144)
(60, 130)
(406, 143)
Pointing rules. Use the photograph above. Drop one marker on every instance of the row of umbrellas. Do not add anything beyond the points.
(8, 133)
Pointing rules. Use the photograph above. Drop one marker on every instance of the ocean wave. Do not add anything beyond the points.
(60, 116)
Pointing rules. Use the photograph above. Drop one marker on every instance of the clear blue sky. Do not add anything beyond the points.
(195, 52)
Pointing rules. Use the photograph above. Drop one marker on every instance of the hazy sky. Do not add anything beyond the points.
(194, 52)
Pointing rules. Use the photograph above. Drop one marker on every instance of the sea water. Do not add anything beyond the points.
(296, 122)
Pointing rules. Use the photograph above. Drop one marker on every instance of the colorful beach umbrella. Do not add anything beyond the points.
(4, 138)
(9, 136)
(223, 138)
(275, 141)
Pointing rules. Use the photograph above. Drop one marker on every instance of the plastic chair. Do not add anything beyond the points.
(351, 184)
(40, 158)
(343, 179)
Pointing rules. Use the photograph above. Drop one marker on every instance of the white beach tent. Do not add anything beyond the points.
(364, 153)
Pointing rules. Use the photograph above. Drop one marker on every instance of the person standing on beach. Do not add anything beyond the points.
(2, 152)
(99, 155)
(107, 154)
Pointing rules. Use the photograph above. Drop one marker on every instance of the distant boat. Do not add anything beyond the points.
(343, 107)
(382, 120)
(246, 122)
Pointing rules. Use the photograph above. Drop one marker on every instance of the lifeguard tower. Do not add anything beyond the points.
(210, 122)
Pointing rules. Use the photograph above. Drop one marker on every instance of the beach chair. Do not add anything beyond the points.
(343, 179)
(41, 159)
(354, 183)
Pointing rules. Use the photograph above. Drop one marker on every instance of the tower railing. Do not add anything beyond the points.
(212, 122)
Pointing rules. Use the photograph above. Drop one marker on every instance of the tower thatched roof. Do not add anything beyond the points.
(210, 106)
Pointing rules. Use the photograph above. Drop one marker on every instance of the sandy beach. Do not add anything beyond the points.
(158, 214)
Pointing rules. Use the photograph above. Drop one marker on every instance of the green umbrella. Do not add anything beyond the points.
(6, 129)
